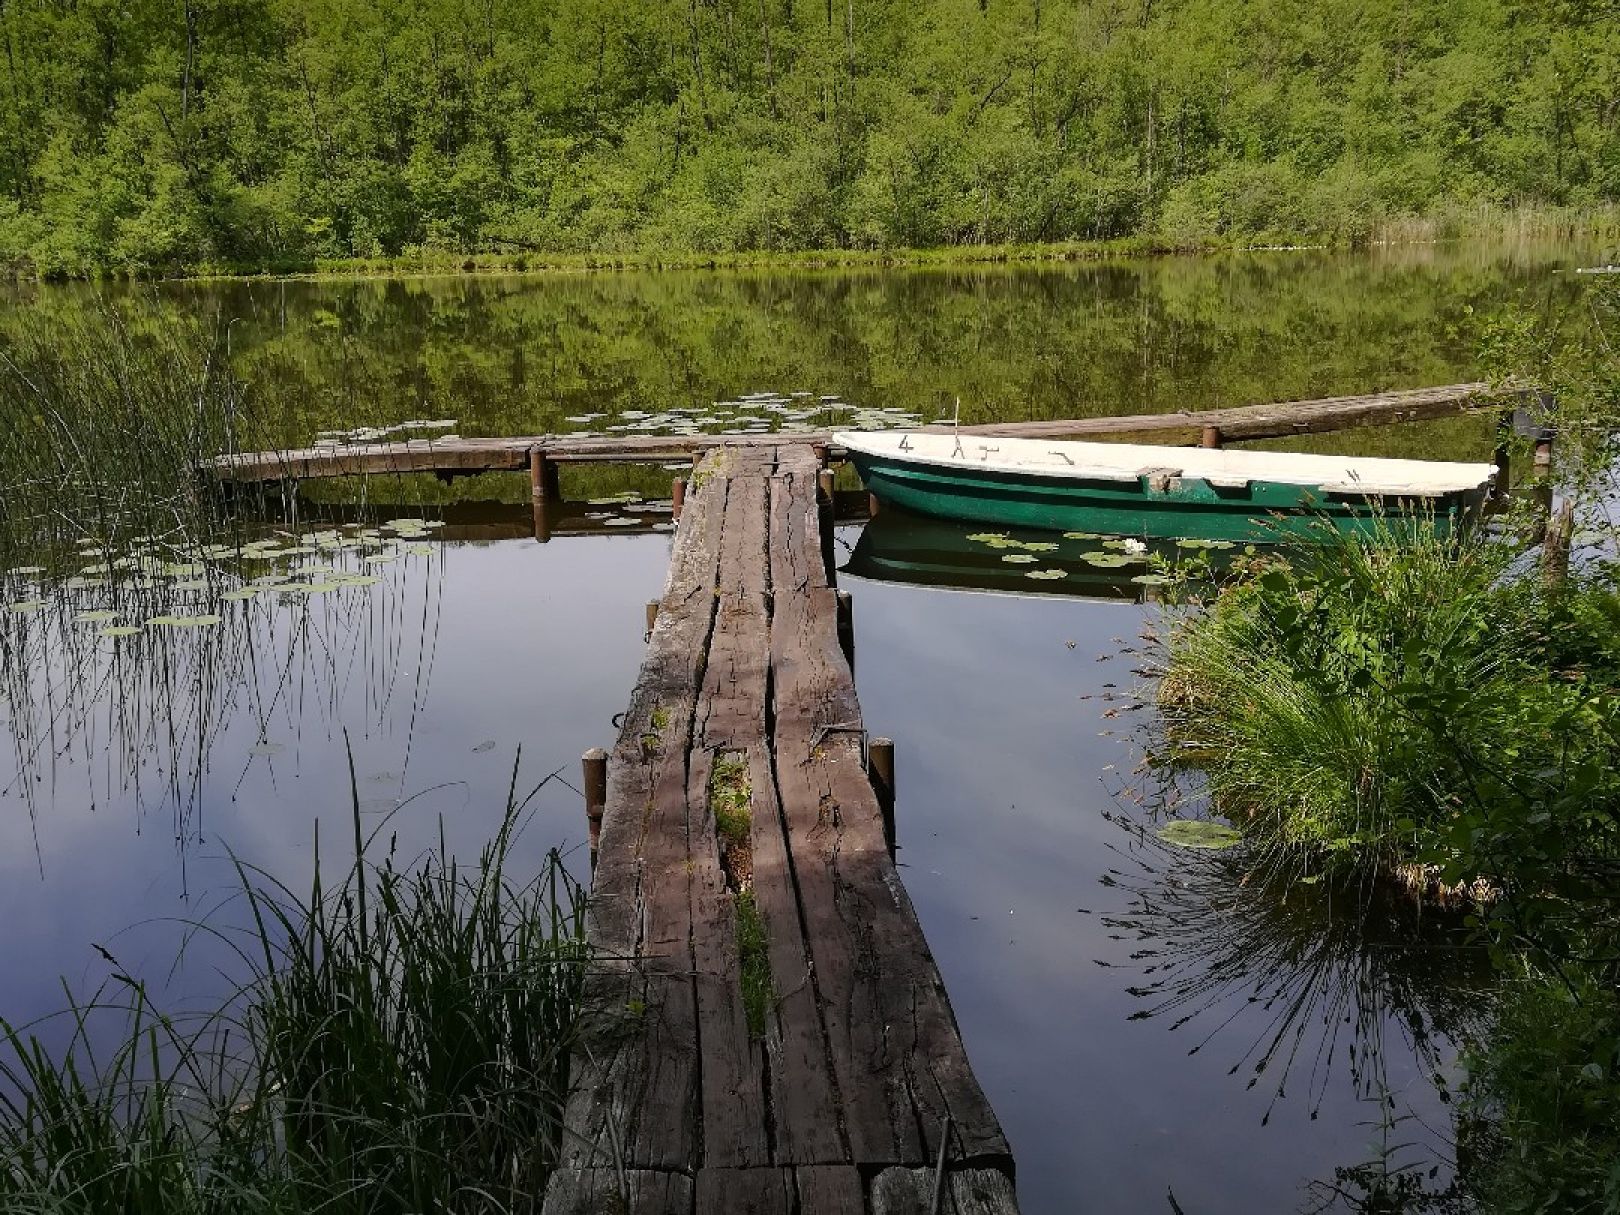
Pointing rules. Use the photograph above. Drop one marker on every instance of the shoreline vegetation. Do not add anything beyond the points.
(1445, 711)
(1480, 224)
(147, 137)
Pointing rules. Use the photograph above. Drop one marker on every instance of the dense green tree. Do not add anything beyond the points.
(151, 134)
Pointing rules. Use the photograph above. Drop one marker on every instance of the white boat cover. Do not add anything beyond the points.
(1228, 468)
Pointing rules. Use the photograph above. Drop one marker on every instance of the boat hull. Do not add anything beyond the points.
(1177, 507)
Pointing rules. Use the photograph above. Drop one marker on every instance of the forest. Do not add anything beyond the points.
(153, 136)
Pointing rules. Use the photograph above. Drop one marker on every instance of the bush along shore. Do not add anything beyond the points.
(146, 138)
(399, 1043)
(1444, 712)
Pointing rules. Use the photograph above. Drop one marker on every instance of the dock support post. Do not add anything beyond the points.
(880, 771)
(542, 520)
(1211, 437)
(1502, 457)
(824, 496)
(594, 762)
(846, 628)
(1555, 545)
(1544, 448)
(543, 476)
(677, 497)
(652, 615)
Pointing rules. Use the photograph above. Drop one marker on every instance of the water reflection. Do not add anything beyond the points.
(918, 550)
(520, 355)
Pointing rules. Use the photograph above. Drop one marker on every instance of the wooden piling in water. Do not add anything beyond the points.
(880, 770)
(543, 484)
(677, 497)
(846, 628)
(652, 615)
(594, 762)
(1555, 545)
(1211, 437)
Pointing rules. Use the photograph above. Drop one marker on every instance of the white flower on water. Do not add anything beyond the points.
(1134, 546)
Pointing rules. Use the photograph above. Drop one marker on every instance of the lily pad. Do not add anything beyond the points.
(1150, 579)
(1047, 575)
(1020, 559)
(1199, 833)
(119, 630)
(204, 621)
(28, 570)
(25, 605)
(100, 616)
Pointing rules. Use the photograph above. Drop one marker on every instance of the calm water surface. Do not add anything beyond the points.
(134, 771)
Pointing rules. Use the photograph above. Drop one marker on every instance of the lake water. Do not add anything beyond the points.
(137, 770)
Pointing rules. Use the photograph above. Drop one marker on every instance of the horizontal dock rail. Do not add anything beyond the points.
(541, 454)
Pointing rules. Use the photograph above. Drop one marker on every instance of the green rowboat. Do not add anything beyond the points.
(1128, 489)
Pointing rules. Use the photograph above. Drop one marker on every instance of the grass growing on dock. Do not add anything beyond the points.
(401, 1045)
(731, 801)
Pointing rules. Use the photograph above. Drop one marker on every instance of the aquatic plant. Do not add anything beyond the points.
(1347, 707)
(399, 1043)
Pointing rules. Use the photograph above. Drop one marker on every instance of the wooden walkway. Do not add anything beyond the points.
(851, 1084)
(542, 453)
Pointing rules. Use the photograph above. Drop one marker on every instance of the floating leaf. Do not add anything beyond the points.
(119, 630)
(242, 592)
(1047, 575)
(183, 569)
(99, 616)
(419, 550)
(28, 570)
(1039, 546)
(1151, 579)
(1020, 559)
(204, 621)
(1082, 535)
(194, 584)
(25, 605)
(1199, 833)
(381, 558)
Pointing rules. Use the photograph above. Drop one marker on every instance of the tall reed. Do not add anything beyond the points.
(400, 1043)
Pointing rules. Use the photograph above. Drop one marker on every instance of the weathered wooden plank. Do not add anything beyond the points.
(764, 1191)
(967, 1192)
(1180, 427)
(610, 1192)
(635, 1100)
(829, 1190)
(899, 1062)
(730, 718)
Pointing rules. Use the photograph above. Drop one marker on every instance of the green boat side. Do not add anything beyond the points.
(1150, 506)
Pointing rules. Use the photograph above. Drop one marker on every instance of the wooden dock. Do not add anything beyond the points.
(845, 1088)
(541, 454)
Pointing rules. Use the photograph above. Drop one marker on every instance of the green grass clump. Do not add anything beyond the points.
(1349, 706)
(401, 1045)
(731, 799)
(753, 953)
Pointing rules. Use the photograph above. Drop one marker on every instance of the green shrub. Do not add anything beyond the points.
(1354, 704)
